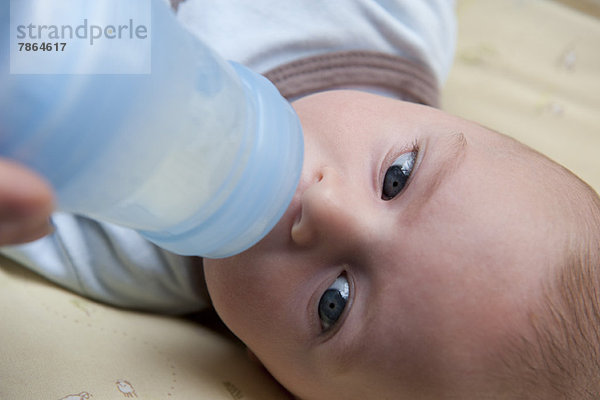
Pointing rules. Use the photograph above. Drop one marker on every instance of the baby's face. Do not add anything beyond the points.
(394, 282)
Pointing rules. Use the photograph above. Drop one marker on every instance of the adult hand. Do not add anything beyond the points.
(26, 202)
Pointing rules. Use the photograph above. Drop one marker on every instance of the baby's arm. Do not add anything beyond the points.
(114, 265)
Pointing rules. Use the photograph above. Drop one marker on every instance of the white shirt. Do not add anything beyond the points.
(264, 34)
(116, 265)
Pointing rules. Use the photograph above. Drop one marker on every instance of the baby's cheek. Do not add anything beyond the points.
(220, 288)
(236, 295)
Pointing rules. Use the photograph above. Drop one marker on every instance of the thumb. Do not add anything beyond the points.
(26, 202)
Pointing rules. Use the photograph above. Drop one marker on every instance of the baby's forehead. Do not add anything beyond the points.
(337, 106)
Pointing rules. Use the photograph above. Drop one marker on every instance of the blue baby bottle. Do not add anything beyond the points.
(136, 122)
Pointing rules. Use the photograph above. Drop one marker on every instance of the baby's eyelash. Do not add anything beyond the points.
(414, 147)
(398, 171)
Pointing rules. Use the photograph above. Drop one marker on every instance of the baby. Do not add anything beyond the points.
(423, 256)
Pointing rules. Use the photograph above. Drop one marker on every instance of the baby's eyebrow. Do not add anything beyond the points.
(448, 153)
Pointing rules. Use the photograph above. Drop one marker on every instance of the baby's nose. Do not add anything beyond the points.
(332, 212)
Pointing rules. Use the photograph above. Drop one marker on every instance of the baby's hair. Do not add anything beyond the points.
(562, 358)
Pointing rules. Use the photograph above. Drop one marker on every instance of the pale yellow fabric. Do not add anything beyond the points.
(529, 68)
(56, 345)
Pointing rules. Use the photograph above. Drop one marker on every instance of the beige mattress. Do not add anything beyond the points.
(529, 68)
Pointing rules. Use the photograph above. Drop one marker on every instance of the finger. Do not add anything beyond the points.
(26, 202)
(12, 233)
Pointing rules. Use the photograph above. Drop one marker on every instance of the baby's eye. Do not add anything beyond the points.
(397, 175)
(333, 302)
